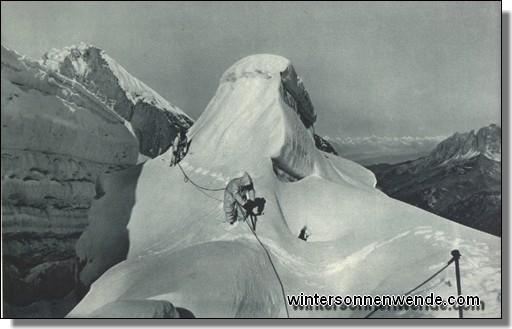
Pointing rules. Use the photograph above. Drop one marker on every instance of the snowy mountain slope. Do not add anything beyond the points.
(170, 242)
(155, 120)
(57, 139)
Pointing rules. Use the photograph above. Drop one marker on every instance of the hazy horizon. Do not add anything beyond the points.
(383, 69)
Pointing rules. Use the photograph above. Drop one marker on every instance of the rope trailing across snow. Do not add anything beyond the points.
(202, 190)
(187, 179)
(455, 257)
(199, 187)
(455, 253)
(273, 266)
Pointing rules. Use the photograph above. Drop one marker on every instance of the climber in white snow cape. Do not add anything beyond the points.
(179, 147)
(240, 201)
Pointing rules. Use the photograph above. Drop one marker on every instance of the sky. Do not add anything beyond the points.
(371, 68)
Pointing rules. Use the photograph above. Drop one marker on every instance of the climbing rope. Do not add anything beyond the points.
(203, 189)
(211, 197)
(200, 188)
(418, 286)
(187, 179)
(271, 263)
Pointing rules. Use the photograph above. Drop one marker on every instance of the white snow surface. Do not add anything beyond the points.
(180, 250)
(135, 89)
(54, 114)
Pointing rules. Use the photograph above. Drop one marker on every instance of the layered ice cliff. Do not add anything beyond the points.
(57, 139)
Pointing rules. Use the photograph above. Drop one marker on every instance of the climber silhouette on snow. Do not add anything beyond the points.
(179, 147)
(240, 201)
(305, 233)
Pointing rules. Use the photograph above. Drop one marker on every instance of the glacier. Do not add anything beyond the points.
(57, 142)
(152, 236)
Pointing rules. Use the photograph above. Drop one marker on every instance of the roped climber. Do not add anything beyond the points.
(239, 198)
(179, 147)
(305, 233)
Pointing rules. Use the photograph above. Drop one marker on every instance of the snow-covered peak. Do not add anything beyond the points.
(155, 120)
(44, 98)
(55, 57)
(258, 113)
(82, 57)
(263, 64)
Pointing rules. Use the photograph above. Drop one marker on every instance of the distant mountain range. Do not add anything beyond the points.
(459, 180)
(373, 149)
